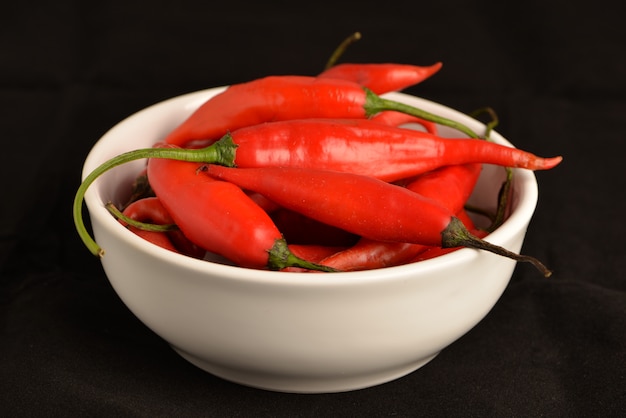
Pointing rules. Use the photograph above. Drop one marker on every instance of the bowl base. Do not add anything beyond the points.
(301, 384)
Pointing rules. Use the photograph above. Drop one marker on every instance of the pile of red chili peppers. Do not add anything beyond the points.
(313, 173)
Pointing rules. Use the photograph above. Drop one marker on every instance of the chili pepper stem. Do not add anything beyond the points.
(504, 196)
(338, 52)
(280, 257)
(505, 190)
(221, 152)
(375, 104)
(456, 235)
(138, 224)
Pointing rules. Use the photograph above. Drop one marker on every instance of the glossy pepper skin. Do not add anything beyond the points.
(363, 205)
(198, 205)
(368, 254)
(270, 98)
(216, 215)
(359, 204)
(382, 77)
(449, 186)
(278, 98)
(364, 147)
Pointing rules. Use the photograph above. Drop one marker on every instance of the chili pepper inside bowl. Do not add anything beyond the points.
(296, 331)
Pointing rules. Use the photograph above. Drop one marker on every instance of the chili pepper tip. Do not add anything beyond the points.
(548, 163)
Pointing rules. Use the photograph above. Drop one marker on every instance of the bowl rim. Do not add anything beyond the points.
(525, 184)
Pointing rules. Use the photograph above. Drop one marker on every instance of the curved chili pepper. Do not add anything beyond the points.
(449, 186)
(155, 236)
(381, 77)
(150, 209)
(219, 217)
(360, 146)
(362, 205)
(275, 98)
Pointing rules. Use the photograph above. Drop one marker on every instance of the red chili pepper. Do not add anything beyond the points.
(219, 217)
(277, 98)
(359, 204)
(368, 254)
(311, 252)
(449, 186)
(359, 146)
(157, 238)
(362, 205)
(150, 209)
(211, 155)
(382, 78)
(139, 211)
(314, 252)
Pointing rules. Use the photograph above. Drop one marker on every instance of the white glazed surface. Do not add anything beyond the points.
(298, 332)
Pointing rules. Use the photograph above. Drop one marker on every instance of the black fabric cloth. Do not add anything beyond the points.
(555, 72)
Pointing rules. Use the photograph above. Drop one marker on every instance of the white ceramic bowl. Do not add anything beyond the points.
(299, 332)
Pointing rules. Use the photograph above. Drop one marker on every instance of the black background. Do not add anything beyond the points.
(555, 72)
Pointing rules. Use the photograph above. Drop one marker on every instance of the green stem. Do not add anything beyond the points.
(221, 152)
(137, 224)
(341, 49)
(280, 257)
(505, 190)
(491, 125)
(456, 235)
(375, 104)
(504, 196)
